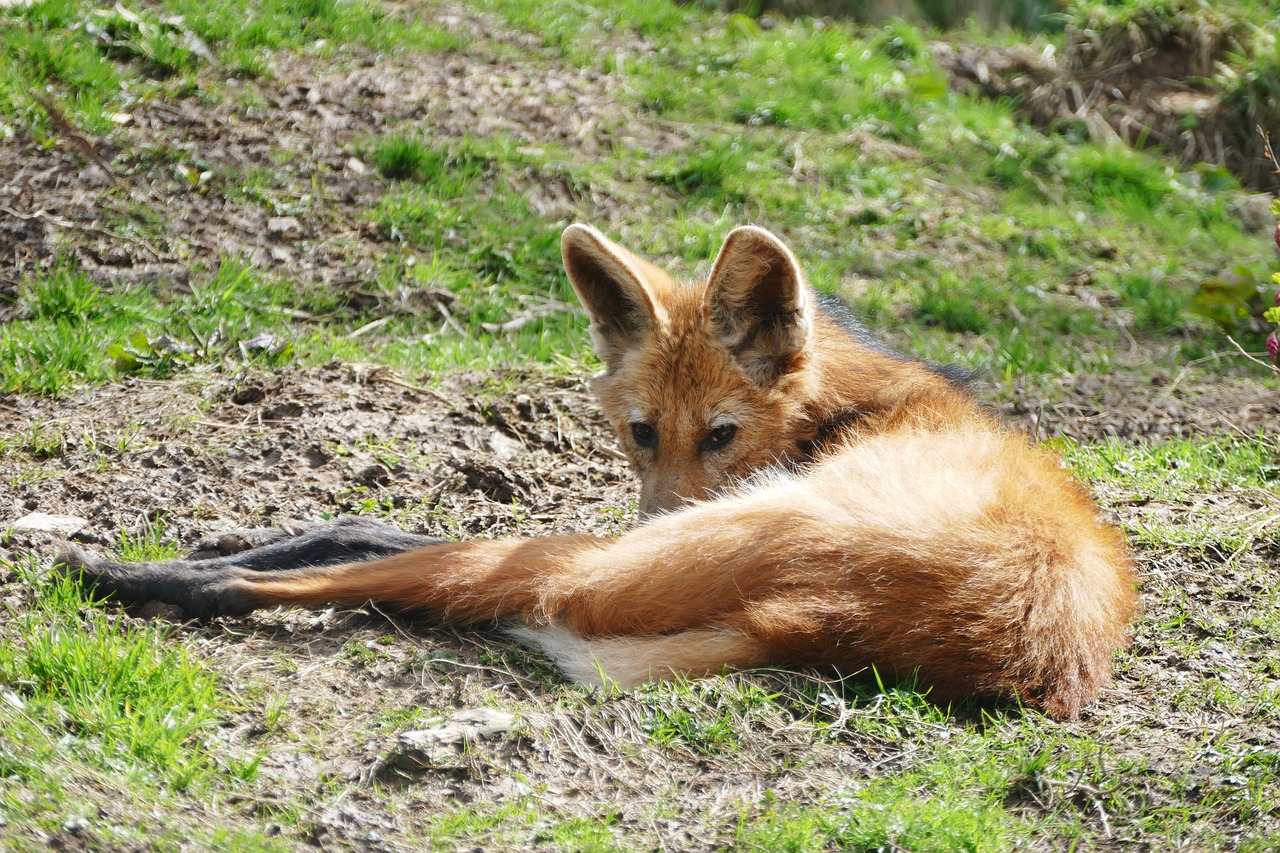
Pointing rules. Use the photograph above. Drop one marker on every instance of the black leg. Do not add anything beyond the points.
(350, 539)
(203, 585)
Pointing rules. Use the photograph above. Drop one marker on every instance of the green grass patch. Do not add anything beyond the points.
(1181, 474)
(795, 91)
(147, 543)
(505, 269)
(129, 700)
(93, 60)
(884, 816)
(78, 331)
(707, 717)
(520, 822)
(1166, 469)
(101, 712)
(937, 212)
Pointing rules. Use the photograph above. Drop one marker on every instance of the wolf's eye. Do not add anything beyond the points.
(644, 434)
(720, 437)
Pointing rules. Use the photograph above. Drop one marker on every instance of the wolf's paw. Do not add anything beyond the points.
(76, 562)
(243, 539)
(195, 591)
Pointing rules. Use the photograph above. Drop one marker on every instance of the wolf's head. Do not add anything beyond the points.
(702, 379)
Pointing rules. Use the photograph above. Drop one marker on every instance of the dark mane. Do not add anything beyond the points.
(838, 310)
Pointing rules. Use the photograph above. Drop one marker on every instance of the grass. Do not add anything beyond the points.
(707, 718)
(845, 141)
(883, 816)
(103, 714)
(93, 60)
(147, 543)
(1167, 469)
(81, 332)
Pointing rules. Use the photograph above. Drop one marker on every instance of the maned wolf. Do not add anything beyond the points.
(810, 499)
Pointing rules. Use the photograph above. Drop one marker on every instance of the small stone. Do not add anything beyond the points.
(443, 745)
(75, 825)
(40, 522)
(373, 475)
(12, 699)
(504, 447)
(284, 227)
(163, 611)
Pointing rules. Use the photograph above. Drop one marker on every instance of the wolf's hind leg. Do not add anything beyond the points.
(240, 539)
(349, 539)
(203, 585)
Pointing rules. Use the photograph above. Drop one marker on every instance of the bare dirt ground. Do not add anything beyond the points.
(212, 450)
(208, 452)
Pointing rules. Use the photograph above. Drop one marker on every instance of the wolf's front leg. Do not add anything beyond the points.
(203, 584)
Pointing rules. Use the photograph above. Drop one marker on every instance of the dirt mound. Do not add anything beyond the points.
(1146, 80)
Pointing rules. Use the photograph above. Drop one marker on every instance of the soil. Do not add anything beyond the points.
(124, 207)
(1134, 404)
(1146, 84)
(208, 452)
(218, 449)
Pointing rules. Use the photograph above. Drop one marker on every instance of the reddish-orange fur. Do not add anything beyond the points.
(900, 528)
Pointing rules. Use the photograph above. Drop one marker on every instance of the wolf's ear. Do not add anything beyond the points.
(610, 283)
(757, 304)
